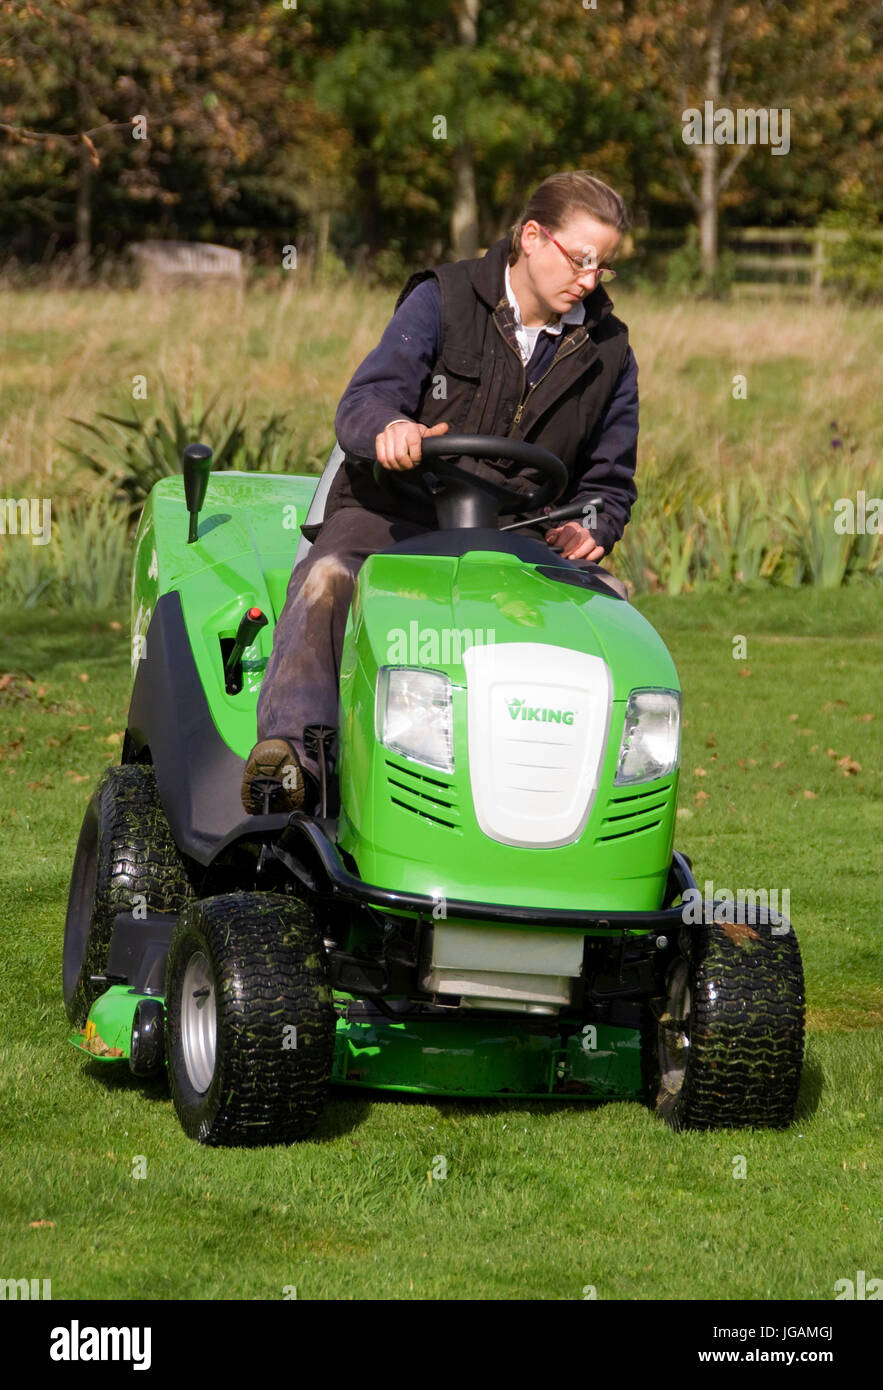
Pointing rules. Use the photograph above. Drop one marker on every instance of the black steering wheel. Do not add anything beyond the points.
(465, 499)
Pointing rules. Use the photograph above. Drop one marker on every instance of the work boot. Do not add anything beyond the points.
(274, 757)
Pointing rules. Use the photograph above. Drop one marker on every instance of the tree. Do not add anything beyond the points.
(220, 127)
(721, 56)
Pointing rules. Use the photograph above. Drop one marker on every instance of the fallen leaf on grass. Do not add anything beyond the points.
(114, 738)
(98, 1047)
(711, 741)
(777, 765)
(810, 796)
(849, 766)
(76, 776)
(83, 676)
(793, 718)
(833, 704)
(866, 718)
(37, 1224)
(805, 732)
(115, 626)
(746, 671)
(699, 772)
(700, 798)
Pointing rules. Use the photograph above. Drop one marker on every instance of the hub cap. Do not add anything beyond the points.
(199, 1022)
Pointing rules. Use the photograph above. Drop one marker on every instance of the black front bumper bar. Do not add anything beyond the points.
(348, 886)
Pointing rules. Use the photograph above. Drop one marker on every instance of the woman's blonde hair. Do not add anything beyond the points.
(561, 195)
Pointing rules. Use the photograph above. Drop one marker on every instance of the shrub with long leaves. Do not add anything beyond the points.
(86, 562)
(131, 453)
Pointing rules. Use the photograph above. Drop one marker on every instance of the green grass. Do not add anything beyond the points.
(540, 1199)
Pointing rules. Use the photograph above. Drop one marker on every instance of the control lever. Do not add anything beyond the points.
(250, 625)
(196, 465)
(568, 513)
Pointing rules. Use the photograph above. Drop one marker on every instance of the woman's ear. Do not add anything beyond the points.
(529, 234)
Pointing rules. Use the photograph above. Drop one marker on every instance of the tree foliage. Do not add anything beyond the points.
(266, 123)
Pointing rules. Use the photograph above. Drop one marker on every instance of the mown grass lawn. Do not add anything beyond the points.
(540, 1201)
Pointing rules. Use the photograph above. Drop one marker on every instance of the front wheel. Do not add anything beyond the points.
(727, 1038)
(249, 1020)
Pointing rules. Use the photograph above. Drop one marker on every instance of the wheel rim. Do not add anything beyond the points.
(674, 1031)
(199, 1027)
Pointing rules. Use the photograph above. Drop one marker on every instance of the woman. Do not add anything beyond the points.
(521, 341)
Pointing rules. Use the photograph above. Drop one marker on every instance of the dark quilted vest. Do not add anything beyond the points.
(478, 383)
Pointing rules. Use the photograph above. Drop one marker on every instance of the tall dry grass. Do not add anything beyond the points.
(292, 347)
(809, 404)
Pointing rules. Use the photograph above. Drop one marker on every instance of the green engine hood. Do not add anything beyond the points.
(411, 827)
(426, 610)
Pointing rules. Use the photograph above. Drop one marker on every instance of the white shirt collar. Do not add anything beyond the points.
(527, 337)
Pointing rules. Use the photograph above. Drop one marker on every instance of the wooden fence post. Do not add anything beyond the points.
(817, 268)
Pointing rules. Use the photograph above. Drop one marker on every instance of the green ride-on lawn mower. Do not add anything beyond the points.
(487, 902)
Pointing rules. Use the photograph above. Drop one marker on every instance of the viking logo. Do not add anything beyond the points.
(519, 709)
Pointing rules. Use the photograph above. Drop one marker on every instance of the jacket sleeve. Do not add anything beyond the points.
(611, 453)
(391, 380)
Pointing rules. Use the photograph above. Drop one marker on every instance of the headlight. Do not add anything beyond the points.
(650, 738)
(413, 715)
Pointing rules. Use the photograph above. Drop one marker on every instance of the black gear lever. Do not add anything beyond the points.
(250, 625)
(568, 513)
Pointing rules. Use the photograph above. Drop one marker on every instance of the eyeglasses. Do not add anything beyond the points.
(604, 273)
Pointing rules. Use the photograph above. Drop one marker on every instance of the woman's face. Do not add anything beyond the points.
(556, 282)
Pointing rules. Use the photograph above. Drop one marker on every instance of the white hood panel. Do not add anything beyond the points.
(538, 719)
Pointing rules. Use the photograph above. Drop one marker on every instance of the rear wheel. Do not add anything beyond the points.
(728, 1042)
(126, 861)
(249, 1020)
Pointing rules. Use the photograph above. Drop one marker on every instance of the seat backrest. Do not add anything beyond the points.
(316, 513)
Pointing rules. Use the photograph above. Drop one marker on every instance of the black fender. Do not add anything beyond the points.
(198, 776)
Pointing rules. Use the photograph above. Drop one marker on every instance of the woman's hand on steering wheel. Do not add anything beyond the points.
(398, 446)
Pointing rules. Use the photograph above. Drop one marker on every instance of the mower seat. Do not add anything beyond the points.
(316, 513)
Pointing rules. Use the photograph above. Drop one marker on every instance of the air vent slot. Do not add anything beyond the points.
(623, 834)
(424, 795)
(633, 813)
(638, 811)
(437, 820)
(632, 797)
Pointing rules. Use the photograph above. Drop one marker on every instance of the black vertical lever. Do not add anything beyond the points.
(250, 625)
(196, 465)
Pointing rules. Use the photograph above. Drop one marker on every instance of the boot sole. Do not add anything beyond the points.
(274, 757)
